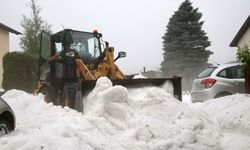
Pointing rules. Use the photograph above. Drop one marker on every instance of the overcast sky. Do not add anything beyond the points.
(134, 26)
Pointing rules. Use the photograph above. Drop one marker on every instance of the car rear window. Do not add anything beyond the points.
(206, 73)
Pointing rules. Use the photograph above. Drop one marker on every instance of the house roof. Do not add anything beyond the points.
(240, 33)
(4, 27)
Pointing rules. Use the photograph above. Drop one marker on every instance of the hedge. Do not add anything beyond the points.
(19, 71)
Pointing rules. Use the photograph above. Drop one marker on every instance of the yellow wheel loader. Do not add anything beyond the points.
(71, 61)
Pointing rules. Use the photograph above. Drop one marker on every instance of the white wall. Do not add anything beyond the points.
(245, 39)
(4, 48)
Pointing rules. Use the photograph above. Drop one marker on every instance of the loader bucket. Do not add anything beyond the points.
(129, 83)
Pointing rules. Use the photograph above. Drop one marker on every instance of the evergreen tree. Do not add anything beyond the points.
(33, 25)
(184, 45)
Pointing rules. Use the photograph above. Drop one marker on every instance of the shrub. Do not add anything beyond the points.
(19, 71)
(243, 54)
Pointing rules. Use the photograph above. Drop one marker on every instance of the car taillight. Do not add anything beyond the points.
(208, 82)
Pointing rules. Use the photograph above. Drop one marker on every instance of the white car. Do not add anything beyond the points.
(218, 81)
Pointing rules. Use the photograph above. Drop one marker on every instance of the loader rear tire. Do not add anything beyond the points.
(48, 94)
(69, 94)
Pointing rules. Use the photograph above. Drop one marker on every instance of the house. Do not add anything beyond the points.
(4, 45)
(151, 73)
(242, 38)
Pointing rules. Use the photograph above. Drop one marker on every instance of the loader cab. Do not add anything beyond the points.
(85, 45)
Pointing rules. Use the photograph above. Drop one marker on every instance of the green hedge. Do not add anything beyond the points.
(19, 71)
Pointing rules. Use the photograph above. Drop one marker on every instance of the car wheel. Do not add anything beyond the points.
(222, 94)
(4, 127)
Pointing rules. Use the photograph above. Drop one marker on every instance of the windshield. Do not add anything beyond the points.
(86, 44)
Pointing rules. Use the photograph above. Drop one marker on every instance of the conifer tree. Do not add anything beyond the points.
(33, 25)
(185, 44)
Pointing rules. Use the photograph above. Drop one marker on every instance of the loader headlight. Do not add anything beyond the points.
(122, 54)
(70, 54)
